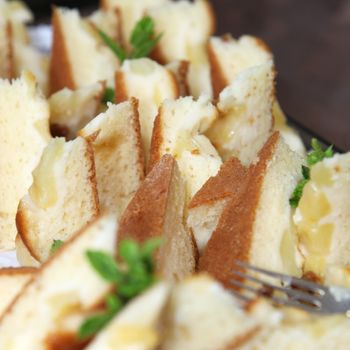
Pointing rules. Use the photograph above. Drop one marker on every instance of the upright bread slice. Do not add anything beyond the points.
(79, 57)
(51, 308)
(6, 50)
(202, 315)
(130, 11)
(180, 70)
(151, 84)
(208, 203)
(62, 199)
(12, 280)
(258, 229)
(15, 10)
(229, 56)
(109, 22)
(71, 110)
(24, 133)
(245, 107)
(116, 141)
(137, 326)
(178, 130)
(186, 28)
(323, 215)
(157, 210)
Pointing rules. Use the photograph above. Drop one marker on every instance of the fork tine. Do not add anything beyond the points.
(241, 296)
(289, 280)
(293, 293)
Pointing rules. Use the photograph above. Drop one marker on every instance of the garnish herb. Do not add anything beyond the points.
(143, 40)
(56, 245)
(316, 155)
(109, 95)
(131, 277)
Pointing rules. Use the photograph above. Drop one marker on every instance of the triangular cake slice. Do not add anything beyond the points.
(138, 325)
(50, 309)
(151, 84)
(157, 210)
(116, 140)
(71, 110)
(245, 108)
(24, 133)
(208, 203)
(178, 130)
(259, 229)
(62, 199)
(12, 280)
(229, 56)
(186, 27)
(79, 57)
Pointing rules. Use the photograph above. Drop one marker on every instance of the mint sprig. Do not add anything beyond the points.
(109, 95)
(315, 156)
(133, 275)
(56, 245)
(143, 40)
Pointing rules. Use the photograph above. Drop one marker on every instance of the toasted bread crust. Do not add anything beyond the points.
(181, 79)
(121, 94)
(21, 224)
(238, 342)
(157, 140)
(219, 81)
(232, 238)
(11, 60)
(61, 74)
(144, 216)
(13, 271)
(229, 182)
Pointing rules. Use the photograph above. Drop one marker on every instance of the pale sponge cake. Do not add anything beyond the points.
(23, 255)
(116, 140)
(258, 229)
(208, 203)
(151, 84)
(229, 56)
(138, 325)
(71, 110)
(157, 210)
(57, 300)
(24, 133)
(12, 280)
(245, 108)
(178, 130)
(79, 57)
(186, 27)
(322, 217)
(62, 199)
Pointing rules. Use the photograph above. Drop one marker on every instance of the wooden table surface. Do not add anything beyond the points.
(311, 43)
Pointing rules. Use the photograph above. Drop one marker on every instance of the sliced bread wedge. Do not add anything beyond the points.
(71, 110)
(178, 130)
(151, 84)
(157, 210)
(12, 280)
(24, 133)
(245, 108)
(79, 57)
(258, 229)
(138, 325)
(50, 309)
(116, 141)
(62, 199)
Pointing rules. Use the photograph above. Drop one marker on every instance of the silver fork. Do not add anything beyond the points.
(292, 291)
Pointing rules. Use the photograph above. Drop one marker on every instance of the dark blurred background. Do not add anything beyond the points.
(311, 43)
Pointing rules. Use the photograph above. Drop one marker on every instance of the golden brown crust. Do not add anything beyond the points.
(61, 74)
(241, 340)
(15, 271)
(181, 78)
(144, 216)
(232, 238)
(158, 55)
(104, 4)
(229, 182)
(157, 140)
(11, 60)
(219, 81)
(137, 127)
(121, 91)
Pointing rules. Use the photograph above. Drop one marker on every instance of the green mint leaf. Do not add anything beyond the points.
(114, 304)
(118, 51)
(129, 250)
(306, 172)
(315, 145)
(317, 154)
(94, 324)
(56, 245)
(329, 152)
(109, 95)
(144, 49)
(295, 199)
(105, 265)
